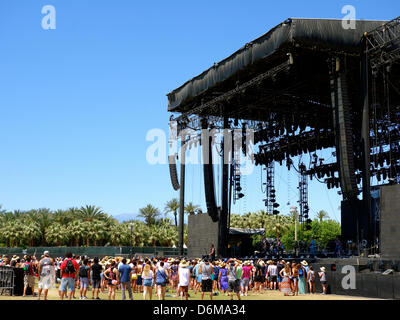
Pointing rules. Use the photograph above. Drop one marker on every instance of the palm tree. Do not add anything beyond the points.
(172, 206)
(190, 208)
(149, 213)
(321, 215)
(90, 213)
(281, 223)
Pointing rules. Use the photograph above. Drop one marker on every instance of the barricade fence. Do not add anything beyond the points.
(6, 280)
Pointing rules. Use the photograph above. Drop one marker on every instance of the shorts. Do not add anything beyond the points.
(273, 278)
(147, 283)
(45, 282)
(323, 282)
(206, 285)
(259, 279)
(29, 281)
(245, 282)
(96, 284)
(184, 288)
(84, 282)
(162, 284)
(67, 282)
(233, 286)
(139, 281)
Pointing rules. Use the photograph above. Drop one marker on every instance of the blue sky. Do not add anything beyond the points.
(76, 102)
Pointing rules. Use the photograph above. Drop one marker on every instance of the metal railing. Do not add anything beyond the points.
(6, 280)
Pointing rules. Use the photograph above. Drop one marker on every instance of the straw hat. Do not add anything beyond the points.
(247, 263)
(184, 264)
(304, 263)
(222, 265)
(262, 263)
(323, 269)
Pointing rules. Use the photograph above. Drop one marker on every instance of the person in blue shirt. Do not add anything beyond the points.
(125, 279)
(313, 245)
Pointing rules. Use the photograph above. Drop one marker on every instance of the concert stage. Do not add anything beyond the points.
(306, 85)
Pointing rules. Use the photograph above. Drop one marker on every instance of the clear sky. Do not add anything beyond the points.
(77, 102)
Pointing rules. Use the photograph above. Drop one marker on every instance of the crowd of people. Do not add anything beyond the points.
(74, 275)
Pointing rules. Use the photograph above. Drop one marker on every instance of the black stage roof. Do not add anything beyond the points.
(257, 56)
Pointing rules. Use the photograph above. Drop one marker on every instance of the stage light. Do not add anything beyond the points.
(275, 212)
(240, 195)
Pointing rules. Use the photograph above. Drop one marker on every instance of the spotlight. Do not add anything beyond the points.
(240, 195)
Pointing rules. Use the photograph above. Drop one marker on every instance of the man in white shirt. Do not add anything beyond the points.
(273, 275)
(184, 278)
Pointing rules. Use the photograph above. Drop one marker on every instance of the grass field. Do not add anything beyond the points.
(269, 295)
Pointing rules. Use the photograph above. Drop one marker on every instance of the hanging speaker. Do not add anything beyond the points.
(173, 172)
(209, 189)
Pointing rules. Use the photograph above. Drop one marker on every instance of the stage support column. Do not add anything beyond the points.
(223, 221)
(182, 199)
(365, 134)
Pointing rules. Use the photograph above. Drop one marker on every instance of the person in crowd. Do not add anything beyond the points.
(322, 279)
(258, 276)
(161, 280)
(206, 270)
(313, 246)
(46, 275)
(214, 276)
(311, 280)
(174, 277)
(97, 271)
(211, 255)
(111, 275)
(273, 275)
(193, 264)
(84, 273)
(147, 276)
(183, 279)
(285, 286)
(295, 279)
(29, 276)
(280, 266)
(197, 286)
(305, 267)
(233, 280)
(124, 271)
(246, 274)
(223, 278)
(134, 276)
(302, 279)
(139, 281)
(69, 273)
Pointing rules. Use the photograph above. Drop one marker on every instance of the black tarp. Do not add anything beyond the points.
(321, 34)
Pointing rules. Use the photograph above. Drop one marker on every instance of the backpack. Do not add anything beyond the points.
(69, 268)
(28, 268)
(83, 272)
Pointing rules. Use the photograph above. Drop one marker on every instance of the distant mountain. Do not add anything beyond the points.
(126, 217)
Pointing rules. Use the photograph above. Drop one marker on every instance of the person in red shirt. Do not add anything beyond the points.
(69, 272)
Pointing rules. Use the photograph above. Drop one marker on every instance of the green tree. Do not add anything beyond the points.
(149, 213)
(321, 215)
(191, 208)
(172, 206)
